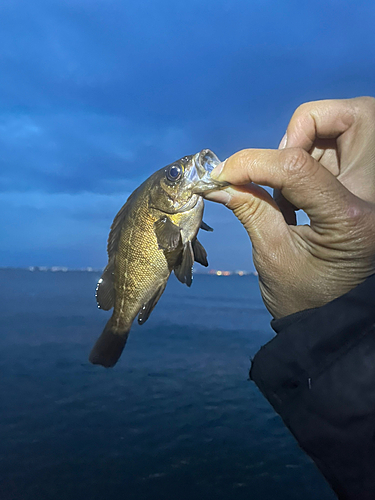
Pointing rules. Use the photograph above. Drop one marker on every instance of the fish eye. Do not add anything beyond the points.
(174, 172)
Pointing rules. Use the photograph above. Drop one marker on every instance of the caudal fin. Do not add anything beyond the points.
(108, 347)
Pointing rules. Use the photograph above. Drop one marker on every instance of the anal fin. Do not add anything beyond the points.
(200, 254)
(184, 270)
(147, 308)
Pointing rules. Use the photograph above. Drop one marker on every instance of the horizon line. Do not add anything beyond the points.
(90, 269)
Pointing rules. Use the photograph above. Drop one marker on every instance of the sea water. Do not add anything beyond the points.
(176, 418)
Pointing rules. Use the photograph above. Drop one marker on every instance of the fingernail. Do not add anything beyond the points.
(217, 170)
(219, 196)
(283, 141)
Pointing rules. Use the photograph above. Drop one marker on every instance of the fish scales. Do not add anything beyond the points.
(140, 267)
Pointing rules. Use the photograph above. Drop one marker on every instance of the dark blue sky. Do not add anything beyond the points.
(97, 94)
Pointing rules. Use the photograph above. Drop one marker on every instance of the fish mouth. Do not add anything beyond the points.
(203, 164)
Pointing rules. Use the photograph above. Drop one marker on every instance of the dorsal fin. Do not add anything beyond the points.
(115, 232)
(105, 294)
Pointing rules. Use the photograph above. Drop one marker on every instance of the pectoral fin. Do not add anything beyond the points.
(147, 308)
(200, 254)
(105, 293)
(184, 270)
(167, 234)
(206, 227)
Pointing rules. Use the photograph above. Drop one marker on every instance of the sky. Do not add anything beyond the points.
(95, 95)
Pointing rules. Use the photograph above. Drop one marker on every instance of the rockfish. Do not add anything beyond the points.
(153, 234)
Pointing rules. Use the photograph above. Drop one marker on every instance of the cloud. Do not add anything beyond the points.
(172, 63)
(79, 152)
(97, 96)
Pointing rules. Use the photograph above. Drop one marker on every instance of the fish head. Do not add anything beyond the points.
(178, 186)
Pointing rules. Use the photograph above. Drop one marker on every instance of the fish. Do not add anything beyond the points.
(153, 234)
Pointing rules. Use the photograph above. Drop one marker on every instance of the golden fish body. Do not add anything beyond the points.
(141, 267)
(154, 233)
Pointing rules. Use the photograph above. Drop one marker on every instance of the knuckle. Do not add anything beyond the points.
(352, 221)
(304, 108)
(366, 101)
(361, 216)
(365, 106)
(359, 226)
(307, 110)
(354, 213)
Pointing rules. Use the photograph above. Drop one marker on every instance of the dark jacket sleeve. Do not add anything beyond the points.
(318, 373)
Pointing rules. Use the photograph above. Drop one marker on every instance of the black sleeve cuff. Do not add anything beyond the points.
(319, 375)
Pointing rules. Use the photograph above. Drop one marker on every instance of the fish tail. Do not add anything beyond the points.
(109, 346)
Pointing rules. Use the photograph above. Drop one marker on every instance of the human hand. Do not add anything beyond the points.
(301, 267)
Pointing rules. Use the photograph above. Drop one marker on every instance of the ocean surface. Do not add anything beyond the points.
(177, 418)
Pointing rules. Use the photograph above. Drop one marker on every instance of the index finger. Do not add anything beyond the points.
(301, 179)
